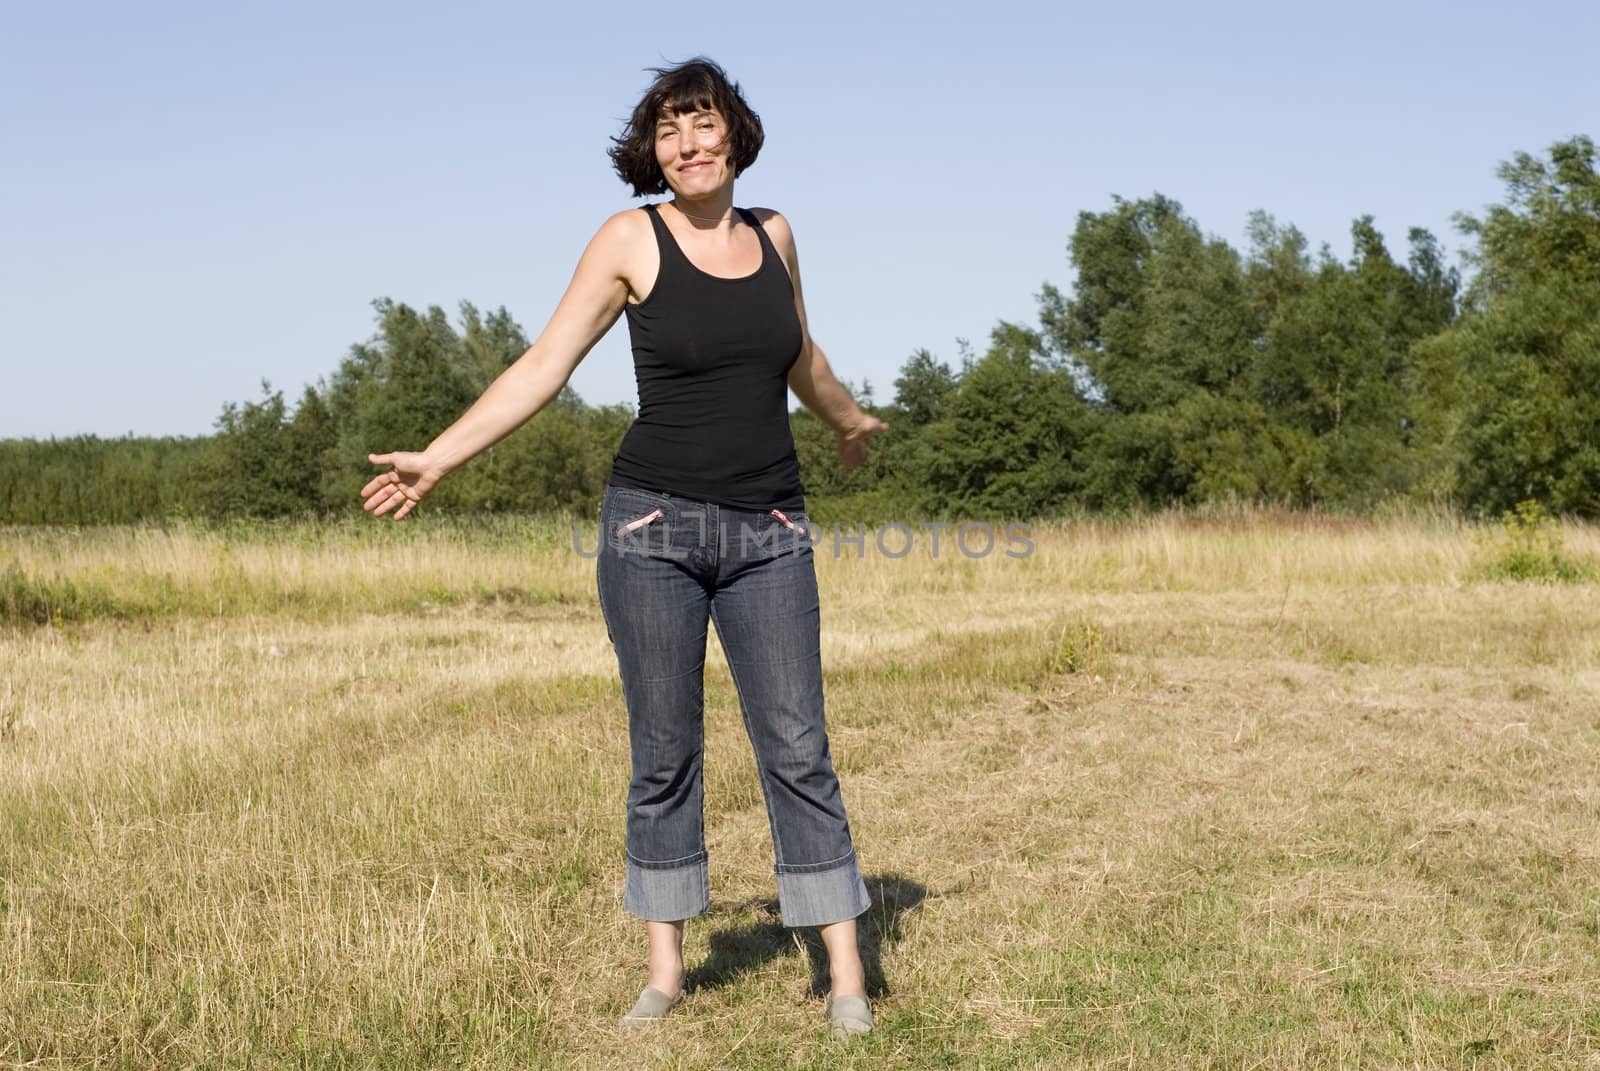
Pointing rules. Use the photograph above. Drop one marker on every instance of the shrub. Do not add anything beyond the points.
(1528, 546)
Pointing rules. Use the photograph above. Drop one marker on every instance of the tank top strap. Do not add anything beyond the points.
(761, 232)
(665, 242)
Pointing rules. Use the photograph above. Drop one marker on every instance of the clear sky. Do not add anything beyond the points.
(197, 196)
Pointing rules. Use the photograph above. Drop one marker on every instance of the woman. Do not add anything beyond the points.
(703, 516)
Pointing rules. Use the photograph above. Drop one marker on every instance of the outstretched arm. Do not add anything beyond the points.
(592, 303)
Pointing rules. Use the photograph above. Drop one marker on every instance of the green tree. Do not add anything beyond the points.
(490, 344)
(84, 479)
(1104, 326)
(1162, 335)
(251, 469)
(313, 439)
(922, 391)
(1529, 344)
(1007, 447)
(397, 391)
(1334, 370)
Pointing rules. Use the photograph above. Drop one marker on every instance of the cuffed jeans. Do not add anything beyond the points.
(666, 565)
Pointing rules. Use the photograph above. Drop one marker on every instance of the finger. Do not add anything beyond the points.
(381, 459)
(387, 503)
(374, 484)
(405, 509)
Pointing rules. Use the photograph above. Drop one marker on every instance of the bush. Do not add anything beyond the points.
(28, 600)
(1528, 546)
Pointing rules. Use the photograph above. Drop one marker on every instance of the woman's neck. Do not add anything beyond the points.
(706, 213)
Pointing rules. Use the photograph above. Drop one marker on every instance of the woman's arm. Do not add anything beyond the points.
(811, 378)
(592, 303)
(814, 383)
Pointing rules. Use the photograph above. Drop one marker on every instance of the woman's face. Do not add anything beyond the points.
(692, 151)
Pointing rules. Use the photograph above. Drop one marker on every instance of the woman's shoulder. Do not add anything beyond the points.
(777, 227)
(624, 229)
(627, 219)
(768, 217)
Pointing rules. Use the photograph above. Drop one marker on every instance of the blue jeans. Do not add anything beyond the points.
(666, 565)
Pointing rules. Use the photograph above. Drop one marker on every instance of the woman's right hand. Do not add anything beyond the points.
(410, 476)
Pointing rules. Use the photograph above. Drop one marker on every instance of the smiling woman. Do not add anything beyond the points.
(704, 514)
(696, 95)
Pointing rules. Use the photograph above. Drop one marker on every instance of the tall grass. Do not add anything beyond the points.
(311, 570)
(1182, 791)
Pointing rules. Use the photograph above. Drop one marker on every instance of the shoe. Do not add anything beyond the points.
(848, 1016)
(652, 1006)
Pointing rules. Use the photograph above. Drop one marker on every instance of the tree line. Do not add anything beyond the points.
(1178, 370)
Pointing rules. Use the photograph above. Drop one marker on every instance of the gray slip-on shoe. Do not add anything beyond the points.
(652, 1006)
(848, 1016)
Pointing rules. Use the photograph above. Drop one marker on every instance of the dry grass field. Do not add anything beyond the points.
(1251, 791)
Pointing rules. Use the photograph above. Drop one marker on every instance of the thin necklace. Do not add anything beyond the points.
(702, 219)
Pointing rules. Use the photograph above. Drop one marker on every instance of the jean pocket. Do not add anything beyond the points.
(638, 522)
(795, 521)
(630, 528)
(774, 533)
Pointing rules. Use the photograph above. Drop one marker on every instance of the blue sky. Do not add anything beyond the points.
(200, 196)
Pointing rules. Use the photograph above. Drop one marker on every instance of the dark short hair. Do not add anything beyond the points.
(695, 84)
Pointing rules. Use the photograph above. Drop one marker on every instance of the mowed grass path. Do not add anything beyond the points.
(1251, 792)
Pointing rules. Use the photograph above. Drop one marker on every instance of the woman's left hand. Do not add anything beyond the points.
(853, 441)
(411, 475)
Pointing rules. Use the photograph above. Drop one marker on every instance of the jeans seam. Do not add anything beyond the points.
(673, 677)
(682, 863)
(600, 597)
(761, 770)
(659, 498)
(817, 868)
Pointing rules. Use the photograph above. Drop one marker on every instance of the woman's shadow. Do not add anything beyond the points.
(742, 949)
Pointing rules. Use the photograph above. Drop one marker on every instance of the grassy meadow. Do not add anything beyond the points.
(1244, 791)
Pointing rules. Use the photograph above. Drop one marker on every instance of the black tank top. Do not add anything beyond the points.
(712, 358)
